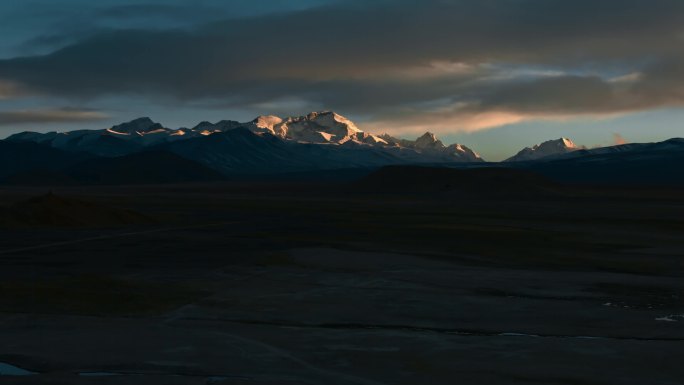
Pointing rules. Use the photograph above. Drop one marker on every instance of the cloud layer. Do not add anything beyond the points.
(404, 65)
(11, 118)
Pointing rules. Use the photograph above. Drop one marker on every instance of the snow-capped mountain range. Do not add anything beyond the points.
(314, 143)
(321, 128)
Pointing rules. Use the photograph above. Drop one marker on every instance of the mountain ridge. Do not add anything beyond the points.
(325, 127)
(306, 145)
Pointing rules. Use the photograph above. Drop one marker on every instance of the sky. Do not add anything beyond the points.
(495, 75)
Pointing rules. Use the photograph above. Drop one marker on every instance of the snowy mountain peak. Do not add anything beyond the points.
(429, 135)
(462, 152)
(317, 127)
(568, 143)
(557, 143)
(267, 122)
(330, 118)
(429, 141)
(549, 148)
(562, 144)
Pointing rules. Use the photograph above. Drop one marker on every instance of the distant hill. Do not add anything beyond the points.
(152, 167)
(648, 164)
(27, 156)
(486, 181)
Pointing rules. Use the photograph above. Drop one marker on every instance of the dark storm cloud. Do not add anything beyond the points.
(64, 115)
(575, 94)
(37, 26)
(434, 57)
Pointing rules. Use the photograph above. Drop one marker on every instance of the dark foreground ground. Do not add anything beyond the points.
(310, 284)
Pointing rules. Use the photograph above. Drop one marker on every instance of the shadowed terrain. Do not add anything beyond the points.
(49, 210)
(331, 283)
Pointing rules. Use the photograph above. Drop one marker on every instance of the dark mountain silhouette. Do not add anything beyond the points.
(137, 126)
(94, 142)
(239, 151)
(27, 156)
(150, 167)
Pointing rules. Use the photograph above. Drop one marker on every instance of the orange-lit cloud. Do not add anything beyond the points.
(466, 117)
(434, 70)
(463, 121)
(618, 139)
